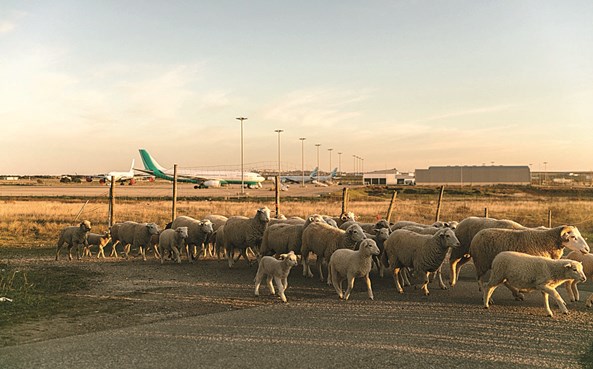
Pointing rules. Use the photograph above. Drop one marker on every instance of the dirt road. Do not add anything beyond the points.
(204, 315)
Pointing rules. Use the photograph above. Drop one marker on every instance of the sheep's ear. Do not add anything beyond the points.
(568, 266)
(442, 234)
(283, 256)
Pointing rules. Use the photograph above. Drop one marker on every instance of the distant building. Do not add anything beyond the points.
(388, 177)
(9, 178)
(474, 175)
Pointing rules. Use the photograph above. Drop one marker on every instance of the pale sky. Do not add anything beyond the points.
(402, 84)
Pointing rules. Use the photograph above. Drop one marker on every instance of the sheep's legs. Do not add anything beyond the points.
(516, 293)
(176, 254)
(547, 304)
(319, 263)
(270, 285)
(306, 267)
(396, 275)
(589, 302)
(425, 283)
(559, 301)
(350, 280)
(369, 288)
(455, 268)
(488, 291)
(113, 249)
(281, 288)
(572, 290)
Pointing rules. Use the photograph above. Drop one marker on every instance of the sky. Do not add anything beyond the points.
(402, 84)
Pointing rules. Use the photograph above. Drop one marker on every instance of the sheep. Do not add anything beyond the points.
(423, 253)
(421, 230)
(282, 238)
(379, 236)
(331, 221)
(344, 217)
(217, 222)
(135, 234)
(323, 239)
(465, 232)
(99, 240)
(277, 270)
(549, 243)
(405, 223)
(571, 286)
(218, 239)
(74, 236)
(242, 232)
(529, 272)
(348, 264)
(198, 231)
(367, 227)
(172, 241)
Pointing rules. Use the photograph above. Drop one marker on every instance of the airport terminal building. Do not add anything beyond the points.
(474, 175)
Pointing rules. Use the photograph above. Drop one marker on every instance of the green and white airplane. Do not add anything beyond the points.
(202, 178)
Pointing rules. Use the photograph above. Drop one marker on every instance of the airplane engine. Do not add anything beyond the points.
(102, 181)
(89, 179)
(211, 183)
(132, 181)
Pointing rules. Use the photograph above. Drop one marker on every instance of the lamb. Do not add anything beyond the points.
(74, 236)
(571, 286)
(344, 217)
(529, 272)
(423, 253)
(198, 232)
(135, 234)
(348, 264)
(323, 239)
(465, 232)
(242, 232)
(282, 238)
(172, 241)
(277, 270)
(99, 240)
(549, 243)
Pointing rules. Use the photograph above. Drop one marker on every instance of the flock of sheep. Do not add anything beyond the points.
(521, 258)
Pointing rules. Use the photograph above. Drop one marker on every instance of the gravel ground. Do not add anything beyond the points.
(205, 315)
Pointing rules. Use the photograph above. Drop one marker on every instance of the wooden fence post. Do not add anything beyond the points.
(549, 218)
(438, 214)
(485, 212)
(344, 200)
(111, 203)
(390, 209)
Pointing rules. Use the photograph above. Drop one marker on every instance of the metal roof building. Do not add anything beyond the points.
(474, 175)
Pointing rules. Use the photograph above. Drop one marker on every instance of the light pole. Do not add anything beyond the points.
(330, 159)
(302, 160)
(545, 172)
(339, 162)
(279, 131)
(317, 161)
(242, 172)
(362, 165)
(354, 156)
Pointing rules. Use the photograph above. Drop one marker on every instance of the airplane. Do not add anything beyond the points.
(325, 180)
(120, 177)
(299, 179)
(201, 178)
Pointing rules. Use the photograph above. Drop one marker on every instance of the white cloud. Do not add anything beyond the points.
(9, 23)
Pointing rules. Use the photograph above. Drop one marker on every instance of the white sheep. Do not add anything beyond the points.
(346, 264)
(571, 286)
(465, 232)
(379, 236)
(423, 253)
(528, 272)
(242, 232)
(198, 231)
(172, 241)
(217, 221)
(542, 242)
(422, 230)
(405, 223)
(367, 227)
(282, 238)
(277, 270)
(99, 240)
(323, 239)
(133, 234)
(75, 236)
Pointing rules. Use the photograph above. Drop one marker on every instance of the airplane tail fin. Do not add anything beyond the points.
(150, 163)
(334, 172)
(132, 167)
(314, 172)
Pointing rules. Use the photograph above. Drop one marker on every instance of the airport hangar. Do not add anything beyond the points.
(474, 175)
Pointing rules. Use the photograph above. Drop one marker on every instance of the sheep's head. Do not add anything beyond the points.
(347, 216)
(447, 238)
(572, 239)
(263, 214)
(382, 233)
(369, 247)
(85, 226)
(206, 226)
(574, 270)
(152, 228)
(355, 233)
(381, 224)
(290, 259)
(452, 224)
(182, 232)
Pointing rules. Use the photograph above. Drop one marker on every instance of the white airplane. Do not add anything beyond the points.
(202, 178)
(299, 179)
(116, 176)
(325, 180)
